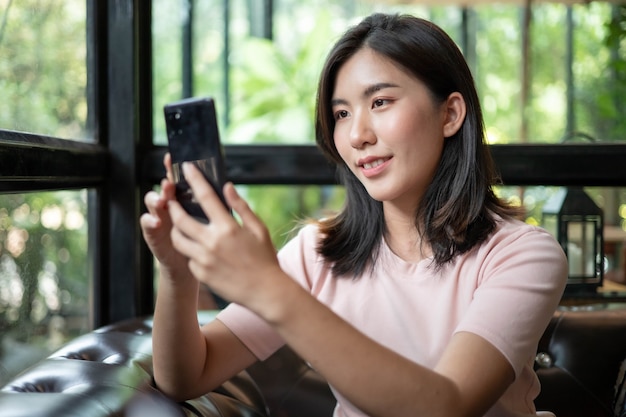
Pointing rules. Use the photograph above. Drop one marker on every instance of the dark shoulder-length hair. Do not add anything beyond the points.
(456, 212)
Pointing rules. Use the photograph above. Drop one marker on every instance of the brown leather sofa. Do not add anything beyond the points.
(108, 372)
(581, 363)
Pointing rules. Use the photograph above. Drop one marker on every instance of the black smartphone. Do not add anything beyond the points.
(193, 136)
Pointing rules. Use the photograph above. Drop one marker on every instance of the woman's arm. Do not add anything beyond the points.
(467, 381)
(187, 362)
(238, 262)
(190, 361)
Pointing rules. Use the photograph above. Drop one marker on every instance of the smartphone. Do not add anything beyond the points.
(193, 136)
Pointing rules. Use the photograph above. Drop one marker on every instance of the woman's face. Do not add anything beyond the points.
(388, 129)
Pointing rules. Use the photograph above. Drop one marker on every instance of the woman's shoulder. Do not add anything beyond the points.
(515, 228)
(300, 257)
(515, 237)
(303, 243)
(306, 233)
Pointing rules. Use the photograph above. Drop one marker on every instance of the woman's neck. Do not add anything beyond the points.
(402, 236)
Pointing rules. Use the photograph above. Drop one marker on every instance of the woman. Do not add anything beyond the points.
(423, 296)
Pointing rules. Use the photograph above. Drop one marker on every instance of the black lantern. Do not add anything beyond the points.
(577, 223)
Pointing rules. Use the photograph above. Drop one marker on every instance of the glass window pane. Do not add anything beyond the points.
(598, 71)
(268, 93)
(202, 74)
(44, 285)
(167, 21)
(43, 71)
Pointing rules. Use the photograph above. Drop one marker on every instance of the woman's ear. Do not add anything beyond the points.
(454, 114)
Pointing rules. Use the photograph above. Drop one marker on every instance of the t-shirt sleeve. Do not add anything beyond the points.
(523, 276)
(253, 331)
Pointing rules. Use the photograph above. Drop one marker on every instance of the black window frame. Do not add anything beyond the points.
(123, 163)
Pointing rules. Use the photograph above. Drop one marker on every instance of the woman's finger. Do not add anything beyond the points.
(168, 189)
(167, 162)
(149, 222)
(205, 195)
(248, 218)
(156, 205)
(186, 232)
(188, 225)
(153, 201)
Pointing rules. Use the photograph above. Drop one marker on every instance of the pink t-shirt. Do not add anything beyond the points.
(505, 291)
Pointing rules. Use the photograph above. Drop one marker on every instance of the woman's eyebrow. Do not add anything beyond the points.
(367, 92)
(374, 88)
(338, 102)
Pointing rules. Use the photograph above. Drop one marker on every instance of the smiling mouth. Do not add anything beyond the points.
(374, 164)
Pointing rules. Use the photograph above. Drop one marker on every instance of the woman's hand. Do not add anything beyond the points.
(237, 260)
(156, 223)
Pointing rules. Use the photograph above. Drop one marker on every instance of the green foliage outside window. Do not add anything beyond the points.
(607, 106)
(44, 277)
(43, 71)
(44, 290)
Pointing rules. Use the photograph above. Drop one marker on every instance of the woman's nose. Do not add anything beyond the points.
(361, 132)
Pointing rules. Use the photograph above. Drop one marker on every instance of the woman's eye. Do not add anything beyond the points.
(379, 102)
(341, 114)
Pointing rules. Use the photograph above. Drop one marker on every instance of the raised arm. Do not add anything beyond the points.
(238, 262)
(187, 361)
(470, 377)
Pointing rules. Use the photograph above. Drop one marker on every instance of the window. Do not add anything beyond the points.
(70, 154)
(45, 281)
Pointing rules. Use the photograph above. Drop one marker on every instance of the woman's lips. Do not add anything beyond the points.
(373, 166)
